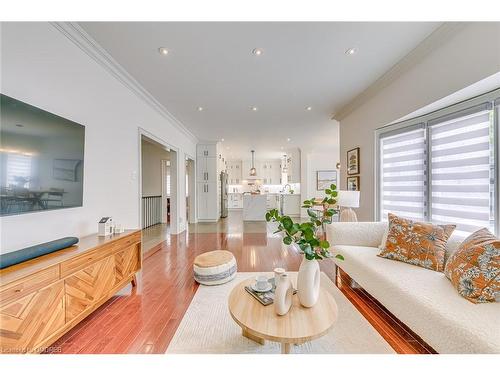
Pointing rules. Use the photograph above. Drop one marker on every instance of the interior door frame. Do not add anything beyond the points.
(174, 180)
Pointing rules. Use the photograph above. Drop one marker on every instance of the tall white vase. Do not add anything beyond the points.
(283, 295)
(277, 275)
(308, 282)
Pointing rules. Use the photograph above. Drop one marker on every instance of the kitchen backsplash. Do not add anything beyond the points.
(272, 189)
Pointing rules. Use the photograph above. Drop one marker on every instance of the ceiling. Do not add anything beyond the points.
(211, 65)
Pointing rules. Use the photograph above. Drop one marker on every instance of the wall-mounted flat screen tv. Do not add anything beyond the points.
(41, 159)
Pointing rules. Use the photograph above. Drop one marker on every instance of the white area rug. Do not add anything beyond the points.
(207, 327)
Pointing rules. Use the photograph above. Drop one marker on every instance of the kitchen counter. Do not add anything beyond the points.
(290, 204)
(254, 207)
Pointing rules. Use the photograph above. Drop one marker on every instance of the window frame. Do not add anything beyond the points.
(492, 98)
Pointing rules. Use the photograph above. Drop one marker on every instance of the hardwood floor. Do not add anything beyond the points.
(144, 319)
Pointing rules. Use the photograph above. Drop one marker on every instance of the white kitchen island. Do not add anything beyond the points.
(254, 207)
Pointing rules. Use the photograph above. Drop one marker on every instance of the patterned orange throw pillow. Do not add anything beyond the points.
(420, 244)
(474, 269)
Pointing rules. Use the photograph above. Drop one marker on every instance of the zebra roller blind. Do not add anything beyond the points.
(402, 171)
(441, 168)
(462, 173)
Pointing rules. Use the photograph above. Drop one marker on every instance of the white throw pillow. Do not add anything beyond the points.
(384, 239)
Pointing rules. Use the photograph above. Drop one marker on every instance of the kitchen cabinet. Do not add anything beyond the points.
(206, 169)
(206, 150)
(235, 201)
(272, 201)
(290, 204)
(234, 168)
(270, 172)
(208, 209)
(293, 167)
(245, 169)
(210, 162)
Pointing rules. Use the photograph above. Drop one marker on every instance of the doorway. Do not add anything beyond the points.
(158, 192)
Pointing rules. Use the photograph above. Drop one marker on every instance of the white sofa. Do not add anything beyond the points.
(424, 300)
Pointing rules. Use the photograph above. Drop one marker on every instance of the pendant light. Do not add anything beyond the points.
(253, 171)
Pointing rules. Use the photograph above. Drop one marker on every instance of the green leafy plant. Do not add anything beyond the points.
(306, 235)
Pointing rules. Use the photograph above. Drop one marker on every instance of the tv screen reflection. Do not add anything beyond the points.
(41, 159)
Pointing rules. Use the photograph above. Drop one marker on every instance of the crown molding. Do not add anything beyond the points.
(433, 41)
(76, 34)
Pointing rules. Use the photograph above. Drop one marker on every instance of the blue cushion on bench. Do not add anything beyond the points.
(19, 256)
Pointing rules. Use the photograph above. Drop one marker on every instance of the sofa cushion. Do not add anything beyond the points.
(372, 234)
(23, 255)
(474, 269)
(413, 242)
(355, 233)
(425, 301)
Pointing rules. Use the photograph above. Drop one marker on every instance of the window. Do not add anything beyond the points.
(441, 167)
(402, 173)
(18, 170)
(462, 171)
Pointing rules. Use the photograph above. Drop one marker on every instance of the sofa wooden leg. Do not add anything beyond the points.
(134, 281)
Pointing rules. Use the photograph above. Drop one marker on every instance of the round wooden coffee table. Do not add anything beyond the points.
(301, 324)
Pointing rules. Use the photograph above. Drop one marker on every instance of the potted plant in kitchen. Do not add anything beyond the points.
(309, 237)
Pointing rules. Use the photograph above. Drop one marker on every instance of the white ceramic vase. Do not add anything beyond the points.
(277, 275)
(283, 295)
(308, 282)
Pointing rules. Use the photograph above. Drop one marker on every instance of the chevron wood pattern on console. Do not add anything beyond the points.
(45, 297)
(126, 263)
(27, 321)
(86, 287)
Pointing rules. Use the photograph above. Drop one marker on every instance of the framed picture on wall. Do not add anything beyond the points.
(353, 183)
(325, 178)
(353, 161)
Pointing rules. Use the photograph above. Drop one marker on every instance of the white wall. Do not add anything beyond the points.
(467, 57)
(318, 159)
(42, 67)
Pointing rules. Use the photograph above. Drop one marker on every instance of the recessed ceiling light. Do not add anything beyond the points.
(351, 51)
(257, 51)
(163, 51)
(222, 139)
(254, 109)
(200, 109)
(308, 108)
(288, 139)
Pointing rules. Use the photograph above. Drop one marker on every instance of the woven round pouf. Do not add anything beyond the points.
(215, 267)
